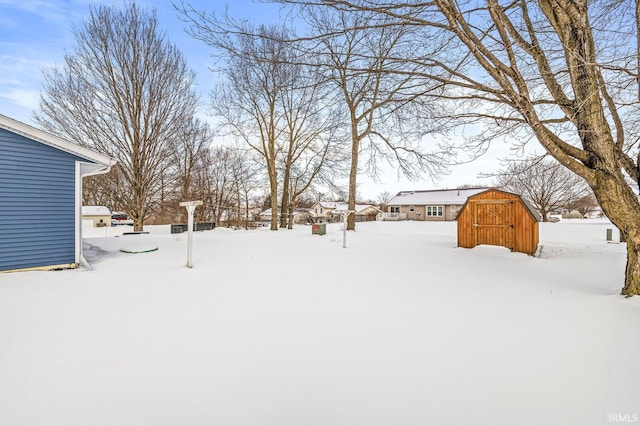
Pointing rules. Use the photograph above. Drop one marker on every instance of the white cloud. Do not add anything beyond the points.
(50, 10)
(24, 98)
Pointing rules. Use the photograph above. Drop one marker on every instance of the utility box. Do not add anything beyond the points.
(319, 228)
(179, 228)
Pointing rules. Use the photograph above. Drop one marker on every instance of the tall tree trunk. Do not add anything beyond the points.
(291, 214)
(632, 274)
(638, 46)
(273, 183)
(284, 203)
(246, 210)
(621, 206)
(601, 166)
(353, 174)
(138, 213)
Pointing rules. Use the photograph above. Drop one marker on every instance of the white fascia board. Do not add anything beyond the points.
(53, 141)
(83, 169)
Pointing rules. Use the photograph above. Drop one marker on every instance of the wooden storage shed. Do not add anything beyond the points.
(498, 218)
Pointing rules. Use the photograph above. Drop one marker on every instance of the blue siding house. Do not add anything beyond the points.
(41, 197)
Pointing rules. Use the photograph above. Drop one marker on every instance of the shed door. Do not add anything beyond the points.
(493, 222)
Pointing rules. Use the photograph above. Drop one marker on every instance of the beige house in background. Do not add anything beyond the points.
(320, 211)
(324, 212)
(429, 205)
(99, 215)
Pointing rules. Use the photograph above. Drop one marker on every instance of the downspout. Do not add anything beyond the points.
(95, 170)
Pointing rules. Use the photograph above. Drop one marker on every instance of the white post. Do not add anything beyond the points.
(344, 228)
(190, 210)
(191, 207)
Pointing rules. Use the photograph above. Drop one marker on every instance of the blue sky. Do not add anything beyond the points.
(34, 35)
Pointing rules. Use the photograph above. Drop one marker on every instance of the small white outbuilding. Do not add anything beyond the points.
(99, 215)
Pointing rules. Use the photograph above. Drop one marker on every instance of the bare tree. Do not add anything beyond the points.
(544, 182)
(188, 157)
(96, 191)
(383, 98)
(359, 64)
(273, 101)
(311, 151)
(585, 205)
(564, 72)
(246, 175)
(221, 180)
(126, 92)
(383, 200)
(247, 99)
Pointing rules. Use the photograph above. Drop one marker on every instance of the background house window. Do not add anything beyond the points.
(435, 211)
(412, 208)
(394, 209)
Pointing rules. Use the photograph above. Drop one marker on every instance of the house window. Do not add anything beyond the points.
(412, 208)
(435, 211)
(394, 209)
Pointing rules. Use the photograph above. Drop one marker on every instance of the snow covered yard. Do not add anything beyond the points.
(288, 328)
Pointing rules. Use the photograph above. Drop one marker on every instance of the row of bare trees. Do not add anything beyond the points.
(276, 106)
(126, 91)
(226, 178)
(315, 109)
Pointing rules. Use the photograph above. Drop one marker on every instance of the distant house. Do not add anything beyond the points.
(300, 216)
(323, 212)
(430, 205)
(98, 215)
(41, 197)
(265, 215)
(320, 211)
(363, 212)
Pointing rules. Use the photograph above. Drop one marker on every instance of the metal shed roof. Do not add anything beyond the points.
(434, 197)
